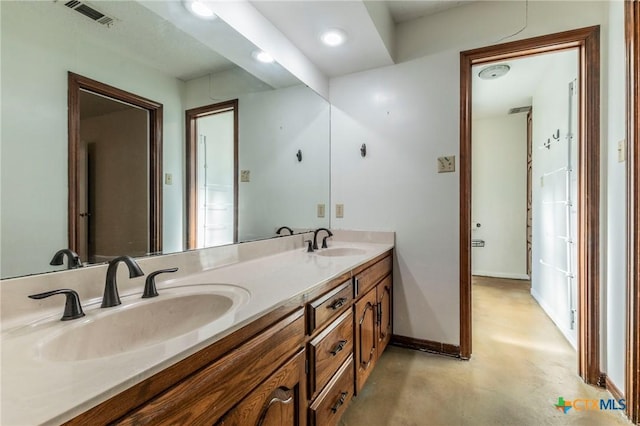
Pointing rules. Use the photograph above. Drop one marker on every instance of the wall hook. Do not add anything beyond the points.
(556, 135)
(548, 144)
(363, 150)
(299, 155)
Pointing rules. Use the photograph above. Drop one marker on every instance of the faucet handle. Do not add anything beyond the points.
(324, 240)
(150, 284)
(72, 306)
(309, 246)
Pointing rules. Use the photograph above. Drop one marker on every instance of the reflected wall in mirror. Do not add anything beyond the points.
(158, 51)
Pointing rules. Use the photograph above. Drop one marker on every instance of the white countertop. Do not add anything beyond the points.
(39, 391)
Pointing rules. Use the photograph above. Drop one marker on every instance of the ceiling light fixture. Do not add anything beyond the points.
(493, 71)
(262, 56)
(199, 9)
(334, 37)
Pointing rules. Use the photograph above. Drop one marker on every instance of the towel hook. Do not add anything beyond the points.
(299, 155)
(363, 150)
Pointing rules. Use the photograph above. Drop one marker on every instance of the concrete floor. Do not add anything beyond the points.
(520, 365)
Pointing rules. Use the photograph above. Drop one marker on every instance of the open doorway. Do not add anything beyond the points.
(586, 41)
(115, 171)
(524, 180)
(212, 175)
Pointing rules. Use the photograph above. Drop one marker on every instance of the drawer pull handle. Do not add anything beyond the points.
(338, 347)
(343, 397)
(338, 303)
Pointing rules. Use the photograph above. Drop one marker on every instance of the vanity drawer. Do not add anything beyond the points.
(205, 396)
(369, 277)
(321, 310)
(328, 351)
(327, 409)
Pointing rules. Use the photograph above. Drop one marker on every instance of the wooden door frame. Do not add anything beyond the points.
(587, 41)
(76, 83)
(191, 115)
(632, 353)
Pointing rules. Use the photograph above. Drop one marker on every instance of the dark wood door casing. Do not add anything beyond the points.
(632, 354)
(587, 41)
(76, 83)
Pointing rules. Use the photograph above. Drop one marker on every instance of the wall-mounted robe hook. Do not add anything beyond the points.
(299, 155)
(548, 144)
(363, 150)
(556, 135)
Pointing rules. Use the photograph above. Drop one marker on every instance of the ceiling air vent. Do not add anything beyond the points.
(520, 109)
(90, 12)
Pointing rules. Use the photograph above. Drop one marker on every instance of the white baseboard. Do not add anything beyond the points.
(501, 275)
(547, 310)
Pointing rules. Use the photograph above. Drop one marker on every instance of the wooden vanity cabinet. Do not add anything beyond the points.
(205, 396)
(278, 401)
(299, 364)
(373, 317)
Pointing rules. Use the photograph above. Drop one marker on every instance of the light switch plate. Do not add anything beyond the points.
(168, 179)
(339, 211)
(245, 176)
(447, 164)
(622, 151)
(320, 210)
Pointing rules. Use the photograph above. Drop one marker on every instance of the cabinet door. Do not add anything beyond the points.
(278, 401)
(385, 313)
(366, 336)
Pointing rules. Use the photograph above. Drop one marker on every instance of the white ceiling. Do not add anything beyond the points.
(492, 98)
(407, 10)
(303, 22)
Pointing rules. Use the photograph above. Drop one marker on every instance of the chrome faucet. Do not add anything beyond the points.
(283, 228)
(324, 240)
(111, 296)
(73, 260)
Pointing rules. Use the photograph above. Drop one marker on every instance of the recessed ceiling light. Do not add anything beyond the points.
(200, 9)
(262, 56)
(334, 37)
(493, 71)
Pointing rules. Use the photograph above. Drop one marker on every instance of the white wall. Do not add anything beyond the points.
(408, 114)
(36, 55)
(550, 286)
(273, 126)
(616, 197)
(499, 196)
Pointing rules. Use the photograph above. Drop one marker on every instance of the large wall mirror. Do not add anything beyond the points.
(159, 51)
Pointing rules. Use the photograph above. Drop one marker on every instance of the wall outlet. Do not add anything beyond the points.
(245, 176)
(320, 210)
(168, 179)
(447, 164)
(622, 151)
(340, 210)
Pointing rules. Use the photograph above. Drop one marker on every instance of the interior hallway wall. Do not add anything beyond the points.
(408, 115)
(499, 196)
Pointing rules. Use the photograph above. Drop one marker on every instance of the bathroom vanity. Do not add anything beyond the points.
(302, 336)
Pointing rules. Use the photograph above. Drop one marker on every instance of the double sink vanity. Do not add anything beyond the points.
(255, 333)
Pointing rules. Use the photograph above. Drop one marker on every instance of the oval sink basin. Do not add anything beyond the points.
(340, 251)
(144, 322)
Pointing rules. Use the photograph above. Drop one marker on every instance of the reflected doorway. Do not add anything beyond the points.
(114, 172)
(212, 175)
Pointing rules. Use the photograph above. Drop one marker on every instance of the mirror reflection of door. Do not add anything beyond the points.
(212, 159)
(112, 195)
(114, 169)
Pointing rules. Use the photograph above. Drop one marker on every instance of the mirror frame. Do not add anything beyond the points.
(76, 83)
